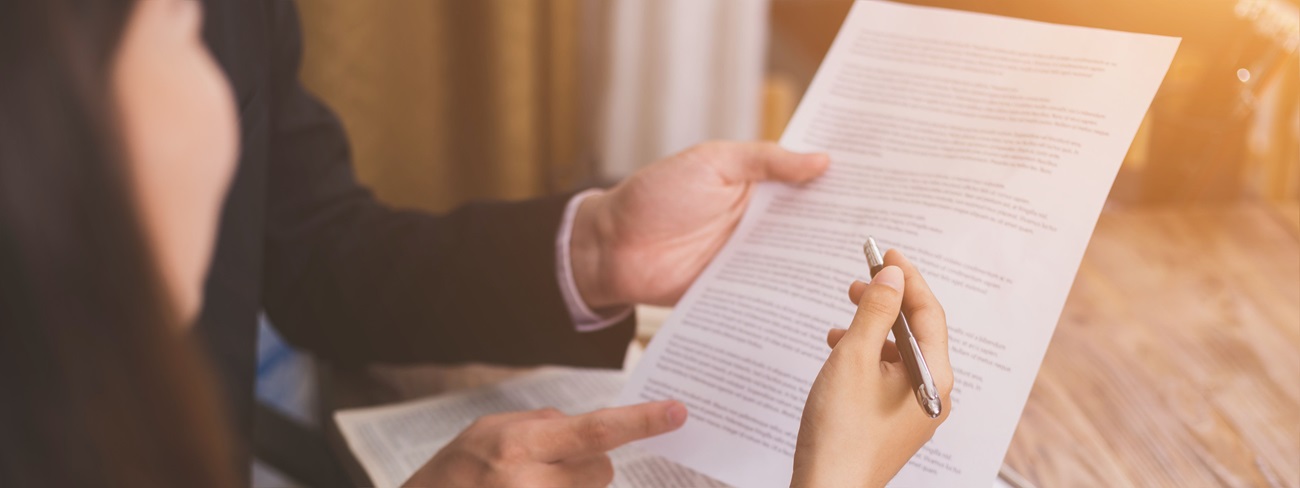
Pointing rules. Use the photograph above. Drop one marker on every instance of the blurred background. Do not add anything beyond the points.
(447, 100)
(451, 100)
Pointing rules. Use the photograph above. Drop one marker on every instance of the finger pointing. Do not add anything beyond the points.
(602, 430)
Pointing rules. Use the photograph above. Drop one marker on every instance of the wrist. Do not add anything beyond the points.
(588, 253)
(829, 461)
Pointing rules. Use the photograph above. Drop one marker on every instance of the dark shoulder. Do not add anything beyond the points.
(239, 33)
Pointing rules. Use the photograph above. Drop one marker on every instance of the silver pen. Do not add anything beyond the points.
(922, 382)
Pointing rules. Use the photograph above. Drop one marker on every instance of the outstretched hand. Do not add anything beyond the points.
(647, 239)
(545, 447)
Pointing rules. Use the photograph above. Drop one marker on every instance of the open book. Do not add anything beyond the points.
(981, 146)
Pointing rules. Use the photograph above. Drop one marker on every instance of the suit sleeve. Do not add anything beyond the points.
(355, 281)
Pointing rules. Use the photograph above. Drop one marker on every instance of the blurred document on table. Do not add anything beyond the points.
(392, 441)
(981, 146)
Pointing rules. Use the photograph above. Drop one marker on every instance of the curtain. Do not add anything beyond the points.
(449, 100)
(678, 72)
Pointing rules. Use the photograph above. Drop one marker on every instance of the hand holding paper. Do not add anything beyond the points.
(648, 238)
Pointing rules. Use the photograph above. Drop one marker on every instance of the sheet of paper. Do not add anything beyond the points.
(392, 441)
(981, 146)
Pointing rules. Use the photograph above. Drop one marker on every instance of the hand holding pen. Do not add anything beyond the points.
(861, 423)
(909, 351)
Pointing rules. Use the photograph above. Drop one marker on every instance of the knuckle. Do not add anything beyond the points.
(550, 413)
(881, 292)
(509, 450)
(598, 431)
(878, 309)
(705, 151)
(932, 311)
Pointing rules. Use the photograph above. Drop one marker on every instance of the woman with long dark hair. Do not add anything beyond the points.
(116, 144)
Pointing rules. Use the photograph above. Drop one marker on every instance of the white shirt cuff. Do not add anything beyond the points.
(584, 318)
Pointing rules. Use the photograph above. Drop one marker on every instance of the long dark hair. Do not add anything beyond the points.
(99, 384)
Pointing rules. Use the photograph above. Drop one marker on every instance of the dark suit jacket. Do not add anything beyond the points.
(346, 277)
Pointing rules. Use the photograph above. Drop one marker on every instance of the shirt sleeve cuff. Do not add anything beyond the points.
(584, 318)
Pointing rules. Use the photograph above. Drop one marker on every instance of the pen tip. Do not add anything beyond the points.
(873, 253)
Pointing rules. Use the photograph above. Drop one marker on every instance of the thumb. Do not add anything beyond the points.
(877, 310)
(743, 162)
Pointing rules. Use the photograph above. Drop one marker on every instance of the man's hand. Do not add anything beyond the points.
(545, 448)
(647, 239)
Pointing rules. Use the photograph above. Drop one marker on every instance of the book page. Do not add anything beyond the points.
(392, 441)
(982, 147)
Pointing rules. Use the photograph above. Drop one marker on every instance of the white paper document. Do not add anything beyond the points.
(393, 441)
(982, 147)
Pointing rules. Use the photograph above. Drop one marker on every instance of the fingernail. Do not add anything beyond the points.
(891, 276)
(676, 414)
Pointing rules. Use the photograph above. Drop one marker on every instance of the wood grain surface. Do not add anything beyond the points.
(1177, 359)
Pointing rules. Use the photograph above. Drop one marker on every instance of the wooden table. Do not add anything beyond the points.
(1177, 359)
